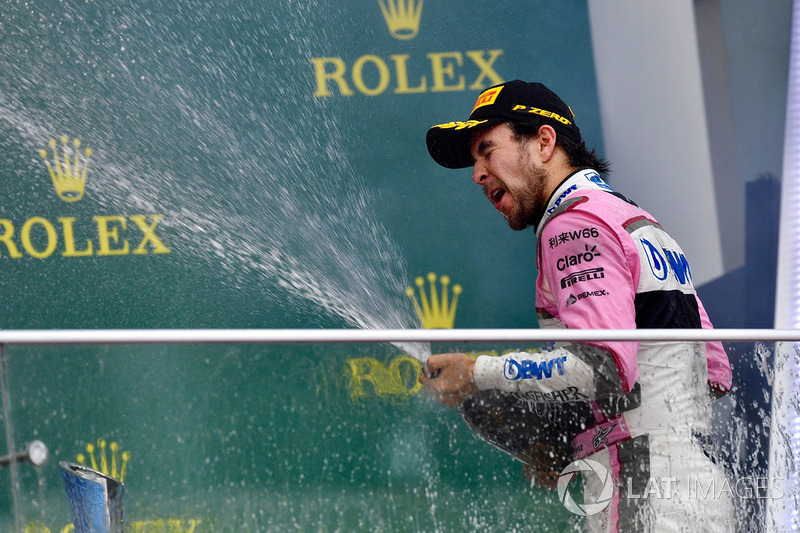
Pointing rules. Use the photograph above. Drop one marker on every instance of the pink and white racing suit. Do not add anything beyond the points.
(604, 263)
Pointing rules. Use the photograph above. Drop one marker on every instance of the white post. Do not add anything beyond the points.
(783, 510)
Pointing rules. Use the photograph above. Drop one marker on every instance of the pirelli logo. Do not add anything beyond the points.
(458, 125)
(583, 275)
(487, 97)
(519, 108)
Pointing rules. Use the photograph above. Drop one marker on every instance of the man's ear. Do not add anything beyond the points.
(546, 142)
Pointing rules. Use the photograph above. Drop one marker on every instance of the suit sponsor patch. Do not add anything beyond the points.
(582, 275)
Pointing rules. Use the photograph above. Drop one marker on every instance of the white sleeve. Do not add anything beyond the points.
(572, 373)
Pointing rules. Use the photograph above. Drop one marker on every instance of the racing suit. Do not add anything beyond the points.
(604, 263)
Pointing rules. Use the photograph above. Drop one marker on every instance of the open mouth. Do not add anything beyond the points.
(495, 195)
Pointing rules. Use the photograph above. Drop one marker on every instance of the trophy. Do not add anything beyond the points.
(94, 498)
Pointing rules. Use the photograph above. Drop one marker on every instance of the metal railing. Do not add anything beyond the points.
(290, 336)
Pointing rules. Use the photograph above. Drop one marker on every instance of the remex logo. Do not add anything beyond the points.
(585, 509)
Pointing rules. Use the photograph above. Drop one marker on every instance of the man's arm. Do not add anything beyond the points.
(572, 373)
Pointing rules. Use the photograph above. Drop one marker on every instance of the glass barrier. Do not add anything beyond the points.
(319, 437)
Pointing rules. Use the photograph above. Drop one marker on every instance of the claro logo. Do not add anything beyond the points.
(587, 256)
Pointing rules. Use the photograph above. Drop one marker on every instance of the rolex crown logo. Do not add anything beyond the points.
(119, 461)
(68, 171)
(402, 17)
(435, 312)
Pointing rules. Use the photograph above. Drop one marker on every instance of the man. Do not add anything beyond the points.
(603, 263)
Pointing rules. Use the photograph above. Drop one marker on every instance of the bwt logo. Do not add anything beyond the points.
(528, 369)
(570, 190)
(660, 266)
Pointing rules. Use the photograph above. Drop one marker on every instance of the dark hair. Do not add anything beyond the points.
(579, 156)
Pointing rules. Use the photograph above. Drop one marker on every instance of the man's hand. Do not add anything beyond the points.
(453, 382)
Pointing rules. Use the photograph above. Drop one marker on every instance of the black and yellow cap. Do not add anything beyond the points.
(513, 101)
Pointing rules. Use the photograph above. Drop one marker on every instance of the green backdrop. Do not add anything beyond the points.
(261, 165)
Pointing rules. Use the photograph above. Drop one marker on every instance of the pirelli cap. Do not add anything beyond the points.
(513, 101)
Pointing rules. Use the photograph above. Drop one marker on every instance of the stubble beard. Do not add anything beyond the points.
(529, 198)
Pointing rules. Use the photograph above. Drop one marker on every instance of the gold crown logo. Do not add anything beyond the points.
(402, 17)
(436, 312)
(119, 461)
(68, 171)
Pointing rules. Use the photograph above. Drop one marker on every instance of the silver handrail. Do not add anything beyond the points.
(283, 336)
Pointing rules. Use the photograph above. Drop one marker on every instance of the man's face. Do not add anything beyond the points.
(512, 177)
